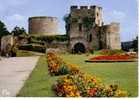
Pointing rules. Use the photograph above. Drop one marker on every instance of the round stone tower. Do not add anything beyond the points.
(113, 36)
(43, 25)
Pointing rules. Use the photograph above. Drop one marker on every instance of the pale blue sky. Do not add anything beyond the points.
(16, 12)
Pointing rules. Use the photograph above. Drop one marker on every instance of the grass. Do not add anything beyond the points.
(25, 53)
(125, 74)
(39, 84)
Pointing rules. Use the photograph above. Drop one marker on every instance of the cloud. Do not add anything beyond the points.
(15, 20)
(5, 5)
(118, 15)
(115, 15)
(10, 14)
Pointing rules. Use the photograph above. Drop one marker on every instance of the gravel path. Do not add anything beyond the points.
(13, 73)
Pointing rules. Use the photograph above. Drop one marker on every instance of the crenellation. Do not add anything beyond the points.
(73, 7)
(92, 7)
(84, 7)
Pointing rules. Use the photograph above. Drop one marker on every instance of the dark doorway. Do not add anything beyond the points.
(79, 48)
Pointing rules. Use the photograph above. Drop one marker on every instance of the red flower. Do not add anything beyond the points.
(92, 91)
(112, 57)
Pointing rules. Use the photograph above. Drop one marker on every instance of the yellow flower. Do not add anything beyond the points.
(66, 80)
(69, 88)
(64, 86)
(120, 93)
(77, 94)
(71, 94)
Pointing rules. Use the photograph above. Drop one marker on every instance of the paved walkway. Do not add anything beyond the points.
(13, 73)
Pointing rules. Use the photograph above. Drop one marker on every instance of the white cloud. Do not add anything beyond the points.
(8, 4)
(15, 20)
(118, 15)
(115, 15)
(10, 14)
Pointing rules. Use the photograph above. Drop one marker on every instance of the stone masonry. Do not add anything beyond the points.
(43, 25)
(86, 30)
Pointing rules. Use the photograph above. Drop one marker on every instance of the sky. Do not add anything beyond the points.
(17, 12)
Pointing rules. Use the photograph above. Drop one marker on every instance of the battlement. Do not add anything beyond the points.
(75, 7)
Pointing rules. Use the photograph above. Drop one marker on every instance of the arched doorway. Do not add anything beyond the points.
(79, 48)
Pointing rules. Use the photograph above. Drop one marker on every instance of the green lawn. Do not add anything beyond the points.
(39, 82)
(124, 74)
(25, 53)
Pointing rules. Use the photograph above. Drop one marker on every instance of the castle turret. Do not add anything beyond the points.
(113, 36)
(43, 25)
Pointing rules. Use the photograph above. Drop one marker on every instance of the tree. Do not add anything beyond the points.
(135, 44)
(3, 30)
(66, 18)
(18, 31)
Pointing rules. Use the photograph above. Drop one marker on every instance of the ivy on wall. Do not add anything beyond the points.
(88, 22)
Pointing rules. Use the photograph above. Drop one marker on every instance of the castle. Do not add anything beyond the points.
(84, 27)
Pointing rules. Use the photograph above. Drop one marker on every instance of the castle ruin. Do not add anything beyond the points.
(86, 30)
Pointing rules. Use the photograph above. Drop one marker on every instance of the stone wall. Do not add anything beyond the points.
(57, 46)
(6, 43)
(43, 25)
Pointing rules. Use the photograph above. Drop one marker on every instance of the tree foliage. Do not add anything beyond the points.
(3, 29)
(135, 44)
(18, 31)
(66, 18)
(88, 22)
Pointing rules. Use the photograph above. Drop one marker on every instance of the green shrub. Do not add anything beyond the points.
(63, 70)
(111, 52)
(30, 47)
(49, 39)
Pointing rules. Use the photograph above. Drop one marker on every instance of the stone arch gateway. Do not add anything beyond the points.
(79, 48)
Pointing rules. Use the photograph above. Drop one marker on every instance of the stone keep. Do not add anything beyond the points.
(43, 25)
(99, 36)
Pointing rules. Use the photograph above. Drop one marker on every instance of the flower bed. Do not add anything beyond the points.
(112, 58)
(58, 67)
(81, 85)
(77, 84)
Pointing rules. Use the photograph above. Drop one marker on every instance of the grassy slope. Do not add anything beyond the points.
(40, 82)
